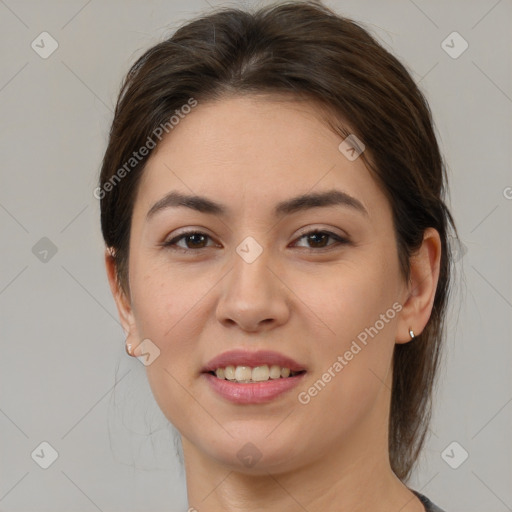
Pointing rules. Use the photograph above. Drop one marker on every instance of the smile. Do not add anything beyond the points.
(246, 374)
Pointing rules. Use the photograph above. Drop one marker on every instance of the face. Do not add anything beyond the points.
(319, 284)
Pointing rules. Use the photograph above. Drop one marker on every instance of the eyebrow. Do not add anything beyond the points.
(302, 202)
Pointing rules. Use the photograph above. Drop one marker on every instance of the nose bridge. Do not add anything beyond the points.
(250, 277)
(251, 292)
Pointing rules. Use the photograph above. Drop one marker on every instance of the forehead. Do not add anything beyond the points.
(250, 152)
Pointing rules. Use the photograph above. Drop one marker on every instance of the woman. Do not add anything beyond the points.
(272, 203)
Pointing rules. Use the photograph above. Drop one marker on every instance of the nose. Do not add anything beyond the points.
(253, 295)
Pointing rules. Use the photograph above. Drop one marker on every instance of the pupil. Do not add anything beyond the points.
(193, 236)
(317, 235)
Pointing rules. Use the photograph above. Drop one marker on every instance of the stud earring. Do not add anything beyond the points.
(411, 333)
(128, 348)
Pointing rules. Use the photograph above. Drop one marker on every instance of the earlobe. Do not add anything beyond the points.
(422, 287)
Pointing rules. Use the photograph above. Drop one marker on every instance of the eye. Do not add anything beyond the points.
(318, 238)
(197, 240)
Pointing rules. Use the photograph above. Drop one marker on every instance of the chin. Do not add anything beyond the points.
(257, 457)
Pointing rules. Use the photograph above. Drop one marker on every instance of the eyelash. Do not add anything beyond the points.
(171, 244)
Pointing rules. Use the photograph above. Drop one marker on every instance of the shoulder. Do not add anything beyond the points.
(429, 506)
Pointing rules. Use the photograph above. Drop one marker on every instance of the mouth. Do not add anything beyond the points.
(246, 366)
(245, 377)
(244, 388)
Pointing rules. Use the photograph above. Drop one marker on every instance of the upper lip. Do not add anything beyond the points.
(248, 358)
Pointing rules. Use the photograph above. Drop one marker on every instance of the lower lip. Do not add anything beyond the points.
(252, 393)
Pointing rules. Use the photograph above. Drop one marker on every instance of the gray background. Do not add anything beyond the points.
(64, 376)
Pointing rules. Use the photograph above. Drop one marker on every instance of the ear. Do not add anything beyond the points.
(422, 286)
(123, 302)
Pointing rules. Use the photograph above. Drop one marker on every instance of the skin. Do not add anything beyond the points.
(298, 298)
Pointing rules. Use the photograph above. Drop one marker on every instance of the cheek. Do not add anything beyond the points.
(353, 320)
(164, 299)
(167, 310)
(346, 298)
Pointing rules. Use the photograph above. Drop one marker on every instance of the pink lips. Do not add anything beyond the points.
(253, 392)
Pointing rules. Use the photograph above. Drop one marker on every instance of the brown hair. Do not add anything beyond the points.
(307, 51)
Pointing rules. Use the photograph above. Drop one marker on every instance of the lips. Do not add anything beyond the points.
(248, 358)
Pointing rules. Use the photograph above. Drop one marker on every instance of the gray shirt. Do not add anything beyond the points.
(429, 506)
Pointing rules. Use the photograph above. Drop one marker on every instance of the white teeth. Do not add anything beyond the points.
(257, 374)
(229, 373)
(243, 373)
(275, 371)
(260, 373)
